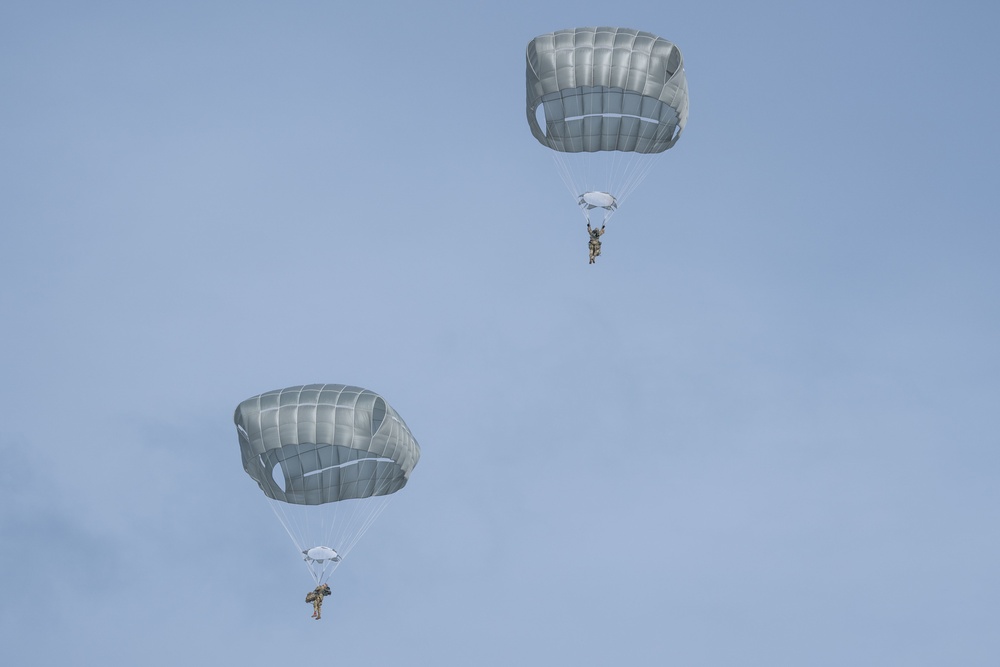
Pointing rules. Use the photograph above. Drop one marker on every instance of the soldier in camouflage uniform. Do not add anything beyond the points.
(316, 597)
(595, 241)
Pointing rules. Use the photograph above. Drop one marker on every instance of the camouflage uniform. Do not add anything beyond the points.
(595, 242)
(316, 597)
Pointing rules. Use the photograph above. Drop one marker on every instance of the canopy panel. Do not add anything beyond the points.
(605, 89)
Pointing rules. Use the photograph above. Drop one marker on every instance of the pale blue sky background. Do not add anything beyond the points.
(762, 430)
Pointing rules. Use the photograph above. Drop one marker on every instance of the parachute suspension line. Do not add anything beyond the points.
(355, 523)
(292, 527)
(618, 173)
(287, 522)
(363, 524)
(376, 510)
(334, 525)
(641, 167)
(620, 181)
(344, 521)
(566, 174)
(350, 520)
(630, 168)
(565, 170)
(293, 522)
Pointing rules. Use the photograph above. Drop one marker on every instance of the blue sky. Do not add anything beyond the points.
(759, 431)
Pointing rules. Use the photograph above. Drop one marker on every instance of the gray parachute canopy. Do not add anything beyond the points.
(331, 442)
(606, 89)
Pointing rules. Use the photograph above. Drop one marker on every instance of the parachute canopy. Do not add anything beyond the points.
(331, 442)
(606, 101)
(325, 454)
(606, 89)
